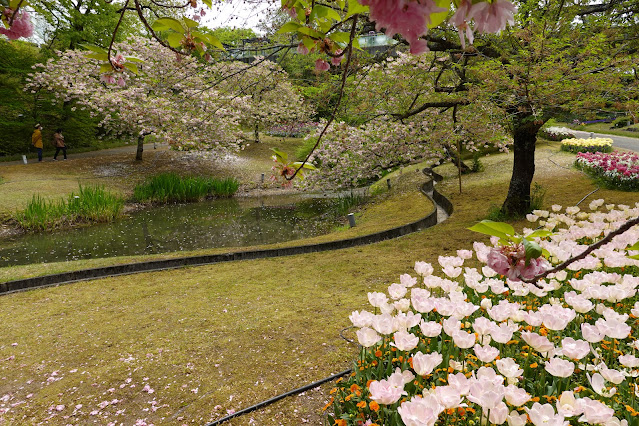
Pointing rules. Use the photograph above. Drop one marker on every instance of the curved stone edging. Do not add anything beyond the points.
(158, 265)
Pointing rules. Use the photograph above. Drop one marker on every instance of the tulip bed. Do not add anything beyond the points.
(615, 170)
(587, 145)
(475, 347)
(554, 133)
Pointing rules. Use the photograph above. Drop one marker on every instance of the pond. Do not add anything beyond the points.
(232, 222)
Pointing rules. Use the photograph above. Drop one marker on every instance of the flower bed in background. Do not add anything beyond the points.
(292, 130)
(587, 145)
(618, 170)
(555, 133)
(469, 346)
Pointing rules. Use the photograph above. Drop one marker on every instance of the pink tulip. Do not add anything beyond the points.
(405, 341)
(559, 367)
(424, 364)
(420, 411)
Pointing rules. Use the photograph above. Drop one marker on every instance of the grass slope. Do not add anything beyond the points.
(222, 337)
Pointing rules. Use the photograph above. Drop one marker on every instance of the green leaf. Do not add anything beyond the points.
(13, 4)
(308, 42)
(282, 157)
(320, 11)
(105, 68)
(209, 3)
(496, 229)
(94, 48)
(307, 165)
(99, 56)
(134, 59)
(310, 32)
(533, 250)
(539, 233)
(131, 67)
(190, 23)
(438, 18)
(340, 37)
(171, 23)
(289, 27)
(174, 40)
(635, 246)
(354, 7)
(215, 42)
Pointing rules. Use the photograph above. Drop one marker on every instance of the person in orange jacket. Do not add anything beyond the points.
(36, 140)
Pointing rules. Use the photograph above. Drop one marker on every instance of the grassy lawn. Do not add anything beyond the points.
(222, 337)
(119, 172)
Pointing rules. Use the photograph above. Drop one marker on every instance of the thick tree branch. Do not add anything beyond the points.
(426, 105)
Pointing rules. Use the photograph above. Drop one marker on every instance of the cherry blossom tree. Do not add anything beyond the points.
(268, 96)
(392, 133)
(163, 98)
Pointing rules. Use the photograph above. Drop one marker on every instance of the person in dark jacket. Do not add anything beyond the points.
(58, 142)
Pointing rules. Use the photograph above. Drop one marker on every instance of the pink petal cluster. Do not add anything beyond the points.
(21, 26)
(510, 261)
(405, 17)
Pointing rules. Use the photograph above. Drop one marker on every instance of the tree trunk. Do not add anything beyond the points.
(517, 201)
(257, 133)
(138, 154)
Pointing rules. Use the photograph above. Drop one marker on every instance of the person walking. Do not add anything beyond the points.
(36, 140)
(58, 142)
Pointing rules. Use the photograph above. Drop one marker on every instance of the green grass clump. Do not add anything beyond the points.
(343, 204)
(92, 204)
(171, 188)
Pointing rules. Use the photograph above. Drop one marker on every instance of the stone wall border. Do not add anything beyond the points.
(159, 265)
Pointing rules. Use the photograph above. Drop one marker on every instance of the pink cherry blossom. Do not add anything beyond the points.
(302, 49)
(492, 17)
(21, 26)
(321, 65)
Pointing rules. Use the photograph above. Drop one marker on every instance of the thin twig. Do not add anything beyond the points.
(339, 100)
(115, 32)
(629, 224)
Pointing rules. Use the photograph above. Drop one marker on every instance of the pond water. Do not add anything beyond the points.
(215, 223)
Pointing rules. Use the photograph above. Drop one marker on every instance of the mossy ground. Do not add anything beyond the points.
(222, 337)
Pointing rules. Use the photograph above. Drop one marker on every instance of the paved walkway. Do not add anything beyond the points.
(617, 141)
(126, 149)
